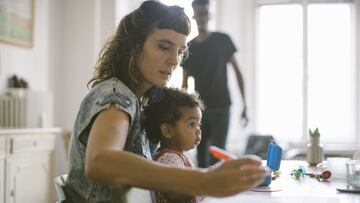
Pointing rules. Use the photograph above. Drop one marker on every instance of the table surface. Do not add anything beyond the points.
(304, 190)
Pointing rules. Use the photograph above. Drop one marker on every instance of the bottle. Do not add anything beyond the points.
(314, 150)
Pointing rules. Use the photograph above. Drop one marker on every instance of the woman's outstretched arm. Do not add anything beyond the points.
(106, 162)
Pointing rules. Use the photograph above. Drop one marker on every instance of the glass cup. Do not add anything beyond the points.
(353, 173)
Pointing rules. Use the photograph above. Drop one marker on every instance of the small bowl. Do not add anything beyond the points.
(337, 166)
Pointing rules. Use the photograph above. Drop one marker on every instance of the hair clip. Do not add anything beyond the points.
(155, 94)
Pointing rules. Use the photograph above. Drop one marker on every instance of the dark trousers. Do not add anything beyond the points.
(214, 129)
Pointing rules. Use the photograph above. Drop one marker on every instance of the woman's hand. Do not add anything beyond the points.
(234, 176)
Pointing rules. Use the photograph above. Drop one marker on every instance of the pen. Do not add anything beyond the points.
(220, 153)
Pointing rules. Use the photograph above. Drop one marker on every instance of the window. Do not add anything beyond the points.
(331, 86)
(305, 74)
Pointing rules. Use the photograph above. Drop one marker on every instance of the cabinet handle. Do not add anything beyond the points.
(11, 146)
(12, 192)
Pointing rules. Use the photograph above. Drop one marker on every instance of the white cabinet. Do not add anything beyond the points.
(28, 167)
(28, 180)
(2, 170)
(2, 181)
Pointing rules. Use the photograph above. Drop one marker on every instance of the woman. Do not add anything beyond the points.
(108, 147)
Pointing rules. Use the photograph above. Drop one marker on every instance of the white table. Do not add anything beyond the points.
(304, 190)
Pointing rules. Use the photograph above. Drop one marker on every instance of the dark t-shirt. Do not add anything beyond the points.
(207, 64)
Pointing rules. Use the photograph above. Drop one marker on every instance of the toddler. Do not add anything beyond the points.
(173, 119)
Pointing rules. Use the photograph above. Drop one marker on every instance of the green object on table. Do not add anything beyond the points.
(314, 133)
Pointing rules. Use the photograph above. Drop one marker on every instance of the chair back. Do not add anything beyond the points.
(258, 145)
(59, 188)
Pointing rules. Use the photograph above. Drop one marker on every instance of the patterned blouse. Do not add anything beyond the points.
(110, 92)
(173, 157)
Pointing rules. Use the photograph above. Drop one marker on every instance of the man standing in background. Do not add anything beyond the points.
(209, 53)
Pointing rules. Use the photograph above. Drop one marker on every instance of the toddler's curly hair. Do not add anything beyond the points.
(168, 110)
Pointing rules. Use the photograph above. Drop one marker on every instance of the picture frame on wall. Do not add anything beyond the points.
(17, 22)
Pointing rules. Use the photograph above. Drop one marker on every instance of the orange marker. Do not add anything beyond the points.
(220, 153)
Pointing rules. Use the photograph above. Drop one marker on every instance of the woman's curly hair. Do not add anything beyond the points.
(118, 56)
(168, 110)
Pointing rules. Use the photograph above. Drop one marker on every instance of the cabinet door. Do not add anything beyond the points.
(2, 180)
(2, 168)
(29, 179)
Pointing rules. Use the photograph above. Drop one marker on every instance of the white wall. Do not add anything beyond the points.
(83, 28)
(32, 64)
(29, 63)
(68, 35)
(76, 50)
(233, 18)
(123, 7)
